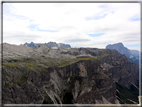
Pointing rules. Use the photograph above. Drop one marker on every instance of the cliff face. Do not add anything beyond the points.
(82, 76)
(123, 71)
(83, 81)
(94, 84)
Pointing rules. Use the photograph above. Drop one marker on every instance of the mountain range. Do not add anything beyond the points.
(49, 44)
(47, 75)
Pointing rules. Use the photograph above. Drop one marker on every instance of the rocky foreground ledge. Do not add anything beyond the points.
(67, 76)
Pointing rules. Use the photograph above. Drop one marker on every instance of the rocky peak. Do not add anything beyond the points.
(120, 48)
(120, 44)
(49, 44)
(132, 55)
(64, 45)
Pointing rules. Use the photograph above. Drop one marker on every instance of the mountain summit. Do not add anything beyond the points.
(121, 49)
(132, 55)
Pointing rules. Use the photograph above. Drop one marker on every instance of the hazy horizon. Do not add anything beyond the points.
(78, 24)
(71, 46)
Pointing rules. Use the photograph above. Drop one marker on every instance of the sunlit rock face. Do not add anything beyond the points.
(47, 76)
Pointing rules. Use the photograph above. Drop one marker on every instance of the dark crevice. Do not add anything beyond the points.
(67, 98)
(57, 100)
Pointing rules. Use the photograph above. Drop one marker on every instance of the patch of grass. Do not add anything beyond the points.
(92, 58)
(65, 62)
(12, 64)
(18, 80)
(89, 58)
(38, 64)
(33, 62)
(44, 70)
(101, 56)
(25, 66)
(22, 79)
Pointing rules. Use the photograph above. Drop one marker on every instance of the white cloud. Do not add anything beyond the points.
(72, 21)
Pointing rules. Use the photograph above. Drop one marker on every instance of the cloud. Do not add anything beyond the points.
(18, 39)
(78, 24)
(47, 30)
(77, 40)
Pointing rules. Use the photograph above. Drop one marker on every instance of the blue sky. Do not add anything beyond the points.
(134, 45)
(77, 24)
(96, 17)
(96, 34)
(35, 27)
(135, 18)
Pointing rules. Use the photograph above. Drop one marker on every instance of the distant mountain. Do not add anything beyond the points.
(132, 55)
(53, 45)
(121, 49)
(33, 45)
(135, 52)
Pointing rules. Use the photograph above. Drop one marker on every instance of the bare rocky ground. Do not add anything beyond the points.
(69, 76)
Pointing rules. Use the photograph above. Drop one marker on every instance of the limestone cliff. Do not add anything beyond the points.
(86, 84)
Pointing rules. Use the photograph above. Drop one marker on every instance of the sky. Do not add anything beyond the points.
(92, 25)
